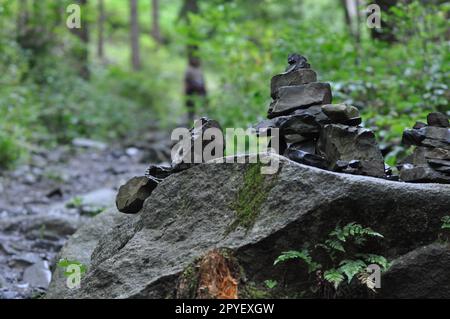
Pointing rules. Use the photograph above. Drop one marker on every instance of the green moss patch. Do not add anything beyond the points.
(250, 197)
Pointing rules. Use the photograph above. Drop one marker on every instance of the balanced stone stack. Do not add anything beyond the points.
(133, 193)
(430, 161)
(315, 132)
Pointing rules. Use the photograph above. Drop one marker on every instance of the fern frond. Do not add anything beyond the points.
(375, 259)
(302, 255)
(334, 277)
(351, 267)
(335, 245)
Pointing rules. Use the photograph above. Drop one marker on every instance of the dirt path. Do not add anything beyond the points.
(43, 203)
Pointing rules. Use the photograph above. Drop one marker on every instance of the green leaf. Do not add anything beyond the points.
(302, 255)
(334, 277)
(375, 259)
(351, 268)
(335, 245)
(271, 283)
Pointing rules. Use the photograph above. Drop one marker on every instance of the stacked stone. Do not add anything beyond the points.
(315, 132)
(132, 195)
(430, 161)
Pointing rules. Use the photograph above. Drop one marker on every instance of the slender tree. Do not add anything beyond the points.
(83, 35)
(386, 32)
(194, 81)
(156, 31)
(22, 17)
(101, 24)
(134, 35)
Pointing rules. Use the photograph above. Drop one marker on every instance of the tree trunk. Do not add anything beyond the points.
(194, 81)
(156, 31)
(101, 22)
(386, 33)
(22, 17)
(83, 52)
(352, 20)
(134, 33)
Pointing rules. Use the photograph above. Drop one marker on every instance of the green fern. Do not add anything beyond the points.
(334, 245)
(375, 259)
(333, 276)
(350, 268)
(353, 230)
(345, 264)
(445, 222)
(270, 283)
(302, 255)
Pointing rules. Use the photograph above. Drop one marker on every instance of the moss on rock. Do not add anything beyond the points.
(250, 197)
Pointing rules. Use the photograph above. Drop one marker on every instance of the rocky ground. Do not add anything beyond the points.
(44, 202)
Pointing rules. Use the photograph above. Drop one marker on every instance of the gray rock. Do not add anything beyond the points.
(305, 122)
(294, 138)
(428, 136)
(290, 98)
(422, 174)
(298, 77)
(306, 158)
(80, 246)
(182, 160)
(191, 213)
(133, 193)
(308, 146)
(339, 142)
(342, 113)
(297, 62)
(87, 143)
(421, 273)
(99, 198)
(438, 119)
(51, 226)
(422, 155)
(38, 275)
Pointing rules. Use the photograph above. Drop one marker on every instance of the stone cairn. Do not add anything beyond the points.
(132, 194)
(430, 161)
(313, 131)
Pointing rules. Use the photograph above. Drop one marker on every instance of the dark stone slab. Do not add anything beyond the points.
(290, 98)
(339, 142)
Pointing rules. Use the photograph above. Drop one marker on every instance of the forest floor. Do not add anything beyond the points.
(45, 201)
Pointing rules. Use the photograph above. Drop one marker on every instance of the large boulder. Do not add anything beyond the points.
(256, 217)
(421, 273)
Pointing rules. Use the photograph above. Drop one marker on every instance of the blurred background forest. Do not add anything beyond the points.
(125, 67)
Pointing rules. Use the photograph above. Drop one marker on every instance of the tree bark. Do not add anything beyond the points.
(134, 35)
(22, 17)
(194, 81)
(386, 33)
(101, 23)
(83, 34)
(156, 30)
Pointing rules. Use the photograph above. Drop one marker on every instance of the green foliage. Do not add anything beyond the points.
(334, 277)
(75, 202)
(64, 263)
(303, 255)
(344, 259)
(445, 222)
(270, 283)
